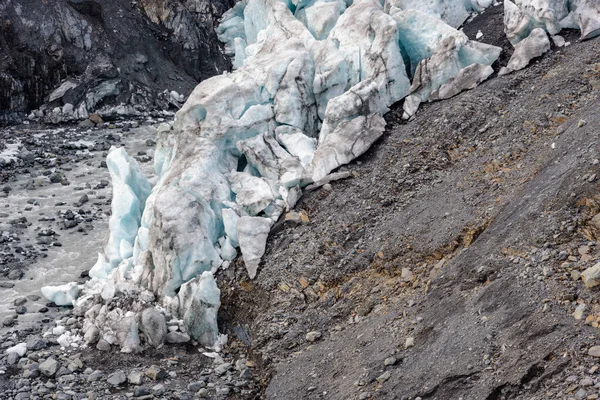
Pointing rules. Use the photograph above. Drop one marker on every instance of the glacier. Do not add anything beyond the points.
(310, 84)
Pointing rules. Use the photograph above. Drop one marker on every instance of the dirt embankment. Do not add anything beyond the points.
(448, 266)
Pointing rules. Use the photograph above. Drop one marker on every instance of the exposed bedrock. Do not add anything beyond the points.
(72, 58)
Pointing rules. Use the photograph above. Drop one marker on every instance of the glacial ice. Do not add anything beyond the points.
(130, 191)
(253, 233)
(521, 17)
(197, 303)
(536, 44)
(63, 295)
(311, 82)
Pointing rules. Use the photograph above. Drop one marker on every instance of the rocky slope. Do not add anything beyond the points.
(448, 266)
(75, 57)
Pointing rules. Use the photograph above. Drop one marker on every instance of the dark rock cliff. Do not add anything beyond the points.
(75, 57)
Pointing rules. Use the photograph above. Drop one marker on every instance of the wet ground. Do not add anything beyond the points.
(56, 204)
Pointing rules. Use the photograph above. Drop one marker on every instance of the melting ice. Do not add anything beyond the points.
(311, 82)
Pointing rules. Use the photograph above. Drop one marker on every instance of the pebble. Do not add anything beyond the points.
(177, 337)
(195, 386)
(221, 369)
(49, 367)
(384, 377)
(135, 378)
(141, 391)
(389, 361)
(158, 390)
(313, 336)
(594, 351)
(95, 376)
(117, 378)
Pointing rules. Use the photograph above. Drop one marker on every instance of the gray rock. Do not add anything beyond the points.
(246, 374)
(12, 358)
(156, 373)
(195, 386)
(221, 369)
(390, 361)
(20, 301)
(49, 367)
(103, 345)
(141, 391)
(92, 335)
(158, 390)
(117, 378)
(135, 378)
(36, 343)
(153, 324)
(95, 376)
(384, 377)
(177, 337)
(313, 336)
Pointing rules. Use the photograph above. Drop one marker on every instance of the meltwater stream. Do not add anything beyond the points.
(44, 204)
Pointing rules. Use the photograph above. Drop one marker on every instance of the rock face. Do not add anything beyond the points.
(78, 56)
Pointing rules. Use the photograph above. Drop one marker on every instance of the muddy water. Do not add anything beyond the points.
(78, 250)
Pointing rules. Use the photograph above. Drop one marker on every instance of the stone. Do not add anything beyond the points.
(103, 345)
(156, 373)
(313, 336)
(13, 358)
(96, 119)
(587, 381)
(177, 337)
(594, 351)
(9, 321)
(20, 301)
(49, 367)
(195, 386)
(36, 343)
(117, 378)
(578, 314)
(141, 391)
(410, 342)
(591, 276)
(407, 275)
(95, 376)
(135, 378)
(246, 374)
(158, 390)
(390, 361)
(384, 377)
(221, 369)
(92, 335)
(153, 324)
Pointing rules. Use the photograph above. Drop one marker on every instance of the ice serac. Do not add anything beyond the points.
(452, 12)
(468, 78)
(197, 303)
(536, 44)
(184, 217)
(585, 16)
(253, 233)
(521, 17)
(438, 53)
(130, 191)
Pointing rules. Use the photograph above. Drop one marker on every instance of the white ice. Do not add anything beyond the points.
(63, 295)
